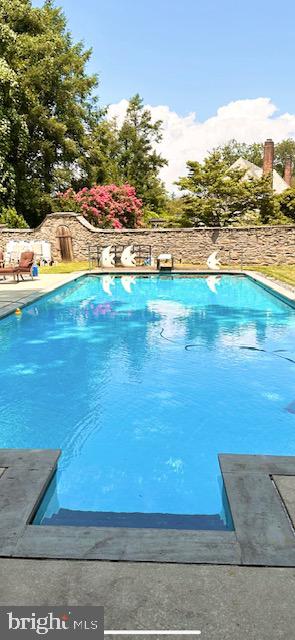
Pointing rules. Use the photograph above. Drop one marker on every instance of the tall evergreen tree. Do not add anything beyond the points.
(14, 134)
(46, 97)
(138, 161)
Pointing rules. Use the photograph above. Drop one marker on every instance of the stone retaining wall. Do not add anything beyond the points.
(251, 245)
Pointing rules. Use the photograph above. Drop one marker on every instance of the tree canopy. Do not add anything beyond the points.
(232, 150)
(47, 103)
(214, 195)
(287, 204)
(54, 136)
(138, 161)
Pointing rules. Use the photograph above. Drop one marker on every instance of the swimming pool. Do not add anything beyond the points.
(142, 383)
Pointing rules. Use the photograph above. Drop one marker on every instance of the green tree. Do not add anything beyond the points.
(48, 98)
(100, 163)
(123, 155)
(173, 213)
(233, 150)
(138, 161)
(11, 219)
(13, 128)
(217, 196)
(284, 149)
(287, 205)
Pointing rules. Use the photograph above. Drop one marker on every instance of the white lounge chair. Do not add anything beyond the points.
(37, 248)
(12, 251)
(46, 252)
(163, 261)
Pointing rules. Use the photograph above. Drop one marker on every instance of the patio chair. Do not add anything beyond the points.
(12, 252)
(165, 262)
(46, 252)
(25, 266)
(42, 251)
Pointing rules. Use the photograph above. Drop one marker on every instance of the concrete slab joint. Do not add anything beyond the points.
(263, 535)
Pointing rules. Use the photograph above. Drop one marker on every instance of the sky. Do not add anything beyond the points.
(211, 69)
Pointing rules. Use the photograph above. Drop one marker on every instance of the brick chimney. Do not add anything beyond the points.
(268, 157)
(288, 170)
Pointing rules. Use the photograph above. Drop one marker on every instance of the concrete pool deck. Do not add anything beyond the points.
(17, 294)
(224, 602)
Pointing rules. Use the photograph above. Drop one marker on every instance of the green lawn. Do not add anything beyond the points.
(65, 267)
(286, 273)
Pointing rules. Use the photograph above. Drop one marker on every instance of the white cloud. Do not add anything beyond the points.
(186, 138)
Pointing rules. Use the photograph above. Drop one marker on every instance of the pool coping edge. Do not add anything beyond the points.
(263, 534)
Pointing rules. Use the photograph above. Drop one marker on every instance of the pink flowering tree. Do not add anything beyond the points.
(106, 206)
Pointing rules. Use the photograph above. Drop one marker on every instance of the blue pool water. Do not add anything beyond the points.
(141, 390)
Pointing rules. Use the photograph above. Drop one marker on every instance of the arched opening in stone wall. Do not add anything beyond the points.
(65, 243)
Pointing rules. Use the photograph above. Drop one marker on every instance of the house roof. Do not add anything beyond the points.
(253, 171)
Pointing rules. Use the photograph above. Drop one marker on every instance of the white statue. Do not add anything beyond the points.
(126, 282)
(212, 282)
(128, 257)
(106, 283)
(107, 258)
(213, 262)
